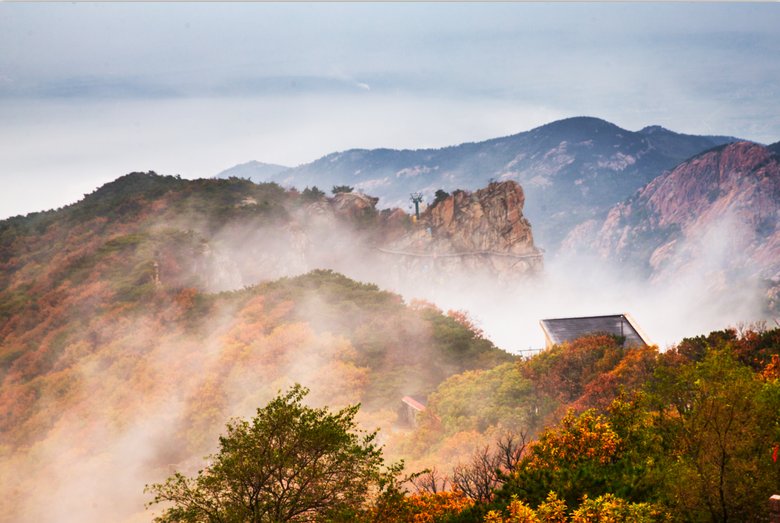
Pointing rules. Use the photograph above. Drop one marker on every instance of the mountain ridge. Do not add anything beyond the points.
(571, 170)
(135, 322)
(722, 203)
(775, 147)
(126, 339)
(254, 170)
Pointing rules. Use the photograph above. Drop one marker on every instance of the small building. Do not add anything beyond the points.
(410, 409)
(559, 330)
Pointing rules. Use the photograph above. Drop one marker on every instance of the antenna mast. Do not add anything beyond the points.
(416, 198)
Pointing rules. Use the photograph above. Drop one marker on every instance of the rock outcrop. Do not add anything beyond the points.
(458, 237)
(490, 219)
(353, 205)
(719, 210)
(484, 231)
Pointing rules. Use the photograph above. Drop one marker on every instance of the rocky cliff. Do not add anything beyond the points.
(718, 210)
(483, 230)
(463, 234)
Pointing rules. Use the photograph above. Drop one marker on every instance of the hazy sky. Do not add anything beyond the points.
(89, 92)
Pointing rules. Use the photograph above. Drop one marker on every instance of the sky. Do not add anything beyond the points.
(92, 91)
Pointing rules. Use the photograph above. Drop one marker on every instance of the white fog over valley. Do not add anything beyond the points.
(203, 204)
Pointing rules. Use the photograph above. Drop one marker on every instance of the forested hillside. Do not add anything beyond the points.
(118, 355)
(138, 322)
(587, 431)
(600, 432)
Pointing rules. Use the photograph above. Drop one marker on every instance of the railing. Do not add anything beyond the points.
(460, 254)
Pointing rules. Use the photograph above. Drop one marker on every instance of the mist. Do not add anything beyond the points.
(706, 283)
(152, 398)
(117, 394)
(157, 408)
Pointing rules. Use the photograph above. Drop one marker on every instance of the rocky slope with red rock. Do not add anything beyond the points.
(718, 209)
(484, 230)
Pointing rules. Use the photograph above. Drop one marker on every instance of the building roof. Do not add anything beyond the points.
(413, 403)
(559, 330)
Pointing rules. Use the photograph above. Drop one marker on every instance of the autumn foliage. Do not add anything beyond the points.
(122, 348)
(624, 434)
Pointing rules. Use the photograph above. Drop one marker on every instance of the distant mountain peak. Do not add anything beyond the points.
(254, 170)
(657, 133)
(591, 120)
(775, 148)
(585, 123)
(653, 129)
(571, 169)
(255, 163)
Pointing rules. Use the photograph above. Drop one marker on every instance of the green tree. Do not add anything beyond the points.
(341, 188)
(312, 194)
(617, 452)
(722, 423)
(439, 196)
(288, 463)
(576, 457)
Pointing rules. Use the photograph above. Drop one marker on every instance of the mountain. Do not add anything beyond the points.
(715, 214)
(571, 170)
(775, 148)
(254, 170)
(680, 145)
(216, 235)
(135, 322)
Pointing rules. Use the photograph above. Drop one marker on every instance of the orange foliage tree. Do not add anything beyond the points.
(429, 507)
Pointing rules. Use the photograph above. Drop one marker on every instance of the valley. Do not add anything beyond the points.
(136, 322)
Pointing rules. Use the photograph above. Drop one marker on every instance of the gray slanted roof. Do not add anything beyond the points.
(559, 330)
